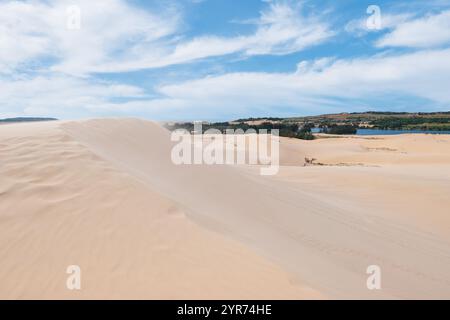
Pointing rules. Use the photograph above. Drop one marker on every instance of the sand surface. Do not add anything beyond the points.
(104, 194)
(61, 205)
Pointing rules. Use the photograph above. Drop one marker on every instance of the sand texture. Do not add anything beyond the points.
(105, 195)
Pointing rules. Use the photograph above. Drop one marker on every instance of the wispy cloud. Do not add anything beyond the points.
(388, 21)
(116, 37)
(318, 86)
(110, 31)
(62, 95)
(282, 29)
(425, 32)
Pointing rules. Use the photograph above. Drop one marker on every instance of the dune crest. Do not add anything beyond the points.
(61, 205)
(324, 239)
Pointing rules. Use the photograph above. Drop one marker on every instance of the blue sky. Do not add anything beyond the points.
(222, 59)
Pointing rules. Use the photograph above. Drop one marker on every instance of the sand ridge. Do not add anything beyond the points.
(60, 205)
(323, 240)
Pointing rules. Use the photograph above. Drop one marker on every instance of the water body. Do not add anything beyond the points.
(379, 132)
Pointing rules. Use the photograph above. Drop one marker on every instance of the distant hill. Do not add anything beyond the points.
(25, 119)
(341, 123)
(381, 120)
(367, 116)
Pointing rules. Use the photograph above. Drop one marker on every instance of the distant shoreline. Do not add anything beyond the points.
(25, 119)
(367, 123)
(389, 132)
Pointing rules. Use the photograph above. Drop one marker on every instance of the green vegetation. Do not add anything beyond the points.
(342, 123)
(305, 136)
(381, 120)
(305, 133)
(421, 123)
(288, 130)
(429, 126)
(343, 129)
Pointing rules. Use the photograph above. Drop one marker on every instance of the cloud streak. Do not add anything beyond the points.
(425, 32)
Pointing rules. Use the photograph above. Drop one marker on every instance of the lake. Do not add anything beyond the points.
(378, 132)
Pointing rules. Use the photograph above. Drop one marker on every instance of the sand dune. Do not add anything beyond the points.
(105, 193)
(60, 205)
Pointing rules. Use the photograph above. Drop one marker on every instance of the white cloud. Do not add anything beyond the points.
(19, 41)
(111, 30)
(46, 69)
(425, 32)
(318, 86)
(282, 29)
(388, 21)
(117, 37)
(60, 95)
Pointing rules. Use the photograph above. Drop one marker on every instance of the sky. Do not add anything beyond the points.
(222, 59)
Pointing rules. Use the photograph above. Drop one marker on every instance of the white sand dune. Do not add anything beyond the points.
(104, 194)
(326, 242)
(61, 205)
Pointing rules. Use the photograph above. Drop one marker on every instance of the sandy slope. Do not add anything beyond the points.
(104, 194)
(324, 239)
(60, 205)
